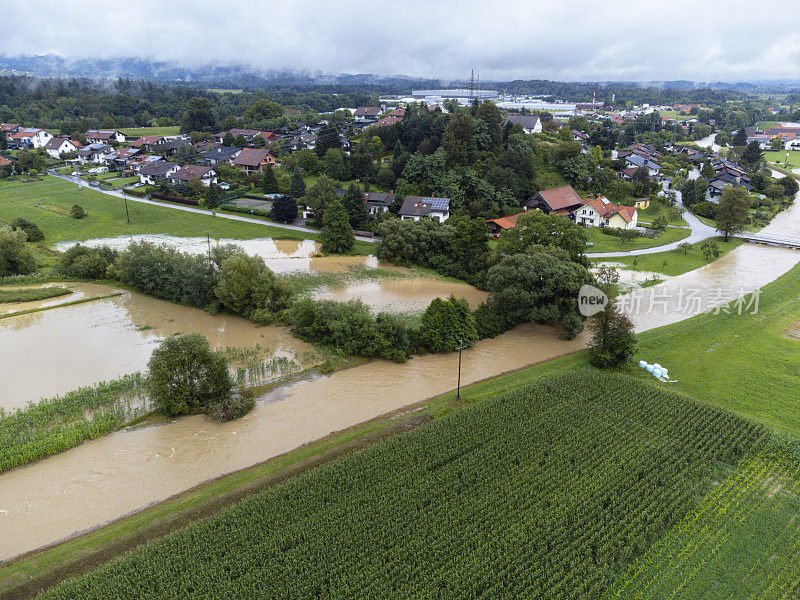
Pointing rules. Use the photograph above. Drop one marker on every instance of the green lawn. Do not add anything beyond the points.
(779, 157)
(610, 243)
(106, 216)
(122, 181)
(655, 209)
(135, 132)
(746, 363)
(672, 262)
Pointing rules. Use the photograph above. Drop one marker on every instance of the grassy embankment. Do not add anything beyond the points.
(656, 209)
(610, 243)
(705, 354)
(44, 202)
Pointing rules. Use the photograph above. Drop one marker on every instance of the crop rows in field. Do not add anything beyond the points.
(57, 424)
(552, 491)
(741, 541)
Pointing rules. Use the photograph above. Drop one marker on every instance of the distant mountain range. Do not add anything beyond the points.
(51, 65)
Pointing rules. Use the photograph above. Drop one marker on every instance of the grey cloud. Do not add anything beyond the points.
(504, 39)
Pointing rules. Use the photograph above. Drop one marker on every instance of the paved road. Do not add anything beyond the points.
(201, 211)
(700, 232)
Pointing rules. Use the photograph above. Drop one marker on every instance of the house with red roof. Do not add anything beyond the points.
(601, 212)
(561, 201)
(187, 173)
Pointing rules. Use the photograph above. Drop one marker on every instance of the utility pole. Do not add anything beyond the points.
(208, 240)
(461, 346)
(127, 215)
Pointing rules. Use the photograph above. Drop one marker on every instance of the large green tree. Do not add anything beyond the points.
(269, 183)
(731, 213)
(246, 285)
(355, 205)
(297, 187)
(337, 236)
(447, 324)
(199, 116)
(327, 139)
(541, 286)
(534, 228)
(613, 341)
(186, 376)
(16, 258)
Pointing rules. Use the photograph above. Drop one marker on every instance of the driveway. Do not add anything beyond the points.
(700, 232)
(193, 209)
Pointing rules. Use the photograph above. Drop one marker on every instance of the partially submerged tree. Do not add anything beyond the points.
(337, 236)
(613, 341)
(16, 258)
(447, 324)
(186, 376)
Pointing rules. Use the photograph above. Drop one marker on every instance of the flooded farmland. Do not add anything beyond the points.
(109, 477)
(58, 350)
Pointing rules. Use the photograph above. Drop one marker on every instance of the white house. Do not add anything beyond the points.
(31, 137)
(94, 153)
(187, 173)
(792, 144)
(58, 146)
(416, 207)
(366, 113)
(601, 212)
(151, 172)
(104, 136)
(529, 123)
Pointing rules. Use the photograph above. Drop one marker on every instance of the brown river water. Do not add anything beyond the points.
(107, 478)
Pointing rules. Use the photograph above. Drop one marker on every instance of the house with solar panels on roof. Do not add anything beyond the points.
(416, 207)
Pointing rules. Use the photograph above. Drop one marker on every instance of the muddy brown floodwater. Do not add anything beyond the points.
(60, 349)
(107, 478)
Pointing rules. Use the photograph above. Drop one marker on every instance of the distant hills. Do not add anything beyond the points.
(51, 65)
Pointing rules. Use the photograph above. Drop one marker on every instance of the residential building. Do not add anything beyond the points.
(104, 136)
(151, 172)
(9, 129)
(147, 142)
(386, 121)
(529, 123)
(601, 212)
(248, 134)
(60, 145)
(561, 201)
(253, 160)
(378, 202)
(187, 173)
(495, 226)
(416, 207)
(94, 153)
(31, 137)
(221, 155)
(169, 146)
(366, 113)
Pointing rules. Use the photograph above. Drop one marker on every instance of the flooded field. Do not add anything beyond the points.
(57, 350)
(282, 256)
(109, 477)
(80, 291)
(403, 295)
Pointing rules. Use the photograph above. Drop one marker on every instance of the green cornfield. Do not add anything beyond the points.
(57, 424)
(583, 485)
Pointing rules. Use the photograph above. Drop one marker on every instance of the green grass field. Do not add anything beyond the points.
(673, 262)
(106, 216)
(610, 243)
(748, 364)
(135, 132)
(779, 157)
(656, 209)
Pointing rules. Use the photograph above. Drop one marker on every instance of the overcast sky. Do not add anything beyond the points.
(575, 40)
